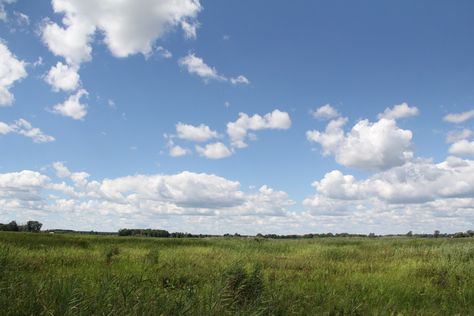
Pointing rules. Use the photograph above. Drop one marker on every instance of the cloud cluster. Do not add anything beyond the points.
(196, 66)
(419, 195)
(23, 127)
(128, 27)
(134, 197)
(11, 71)
(237, 133)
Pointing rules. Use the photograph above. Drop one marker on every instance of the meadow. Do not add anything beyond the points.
(68, 274)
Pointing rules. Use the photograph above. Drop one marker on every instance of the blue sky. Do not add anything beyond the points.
(237, 116)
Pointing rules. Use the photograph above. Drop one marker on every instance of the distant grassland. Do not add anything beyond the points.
(45, 274)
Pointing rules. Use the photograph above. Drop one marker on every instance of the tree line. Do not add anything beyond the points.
(30, 226)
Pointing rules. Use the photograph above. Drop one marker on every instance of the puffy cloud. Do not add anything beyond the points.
(23, 127)
(214, 151)
(196, 66)
(239, 80)
(459, 117)
(399, 111)
(416, 182)
(368, 146)
(325, 112)
(462, 148)
(63, 77)
(238, 130)
(11, 70)
(178, 151)
(128, 27)
(178, 198)
(72, 107)
(200, 133)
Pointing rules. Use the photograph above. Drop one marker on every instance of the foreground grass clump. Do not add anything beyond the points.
(42, 274)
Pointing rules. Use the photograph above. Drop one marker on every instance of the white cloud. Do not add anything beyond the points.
(457, 135)
(419, 195)
(61, 170)
(238, 130)
(23, 127)
(325, 112)
(239, 80)
(459, 117)
(399, 111)
(178, 151)
(200, 133)
(72, 107)
(196, 66)
(163, 52)
(129, 27)
(214, 151)
(63, 77)
(368, 146)
(462, 148)
(11, 70)
(190, 29)
(143, 198)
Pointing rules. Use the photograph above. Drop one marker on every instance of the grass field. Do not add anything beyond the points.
(43, 274)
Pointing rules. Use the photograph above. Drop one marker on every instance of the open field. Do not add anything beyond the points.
(42, 274)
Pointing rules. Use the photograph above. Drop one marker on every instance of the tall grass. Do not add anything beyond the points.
(43, 274)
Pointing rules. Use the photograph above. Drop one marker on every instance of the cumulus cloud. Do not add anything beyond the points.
(368, 146)
(178, 151)
(196, 66)
(238, 131)
(74, 197)
(128, 27)
(416, 182)
(214, 151)
(72, 107)
(459, 117)
(325, 112)
(462, 147)
(23, 127)
(399, 111)
(63, 77)
(11, 71)
(200, 133)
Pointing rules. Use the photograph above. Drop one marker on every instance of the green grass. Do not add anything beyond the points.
(43, 274)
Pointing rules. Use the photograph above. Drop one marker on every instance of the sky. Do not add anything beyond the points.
(238, 116)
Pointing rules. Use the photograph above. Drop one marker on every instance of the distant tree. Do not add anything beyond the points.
(372, 235)
(470, 233)
(33, 226)
(410, 234)
(436, 234)
(12, 226)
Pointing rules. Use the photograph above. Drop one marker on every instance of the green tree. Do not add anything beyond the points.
(33, 226)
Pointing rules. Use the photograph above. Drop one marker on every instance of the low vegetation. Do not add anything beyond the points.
(72, 274)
